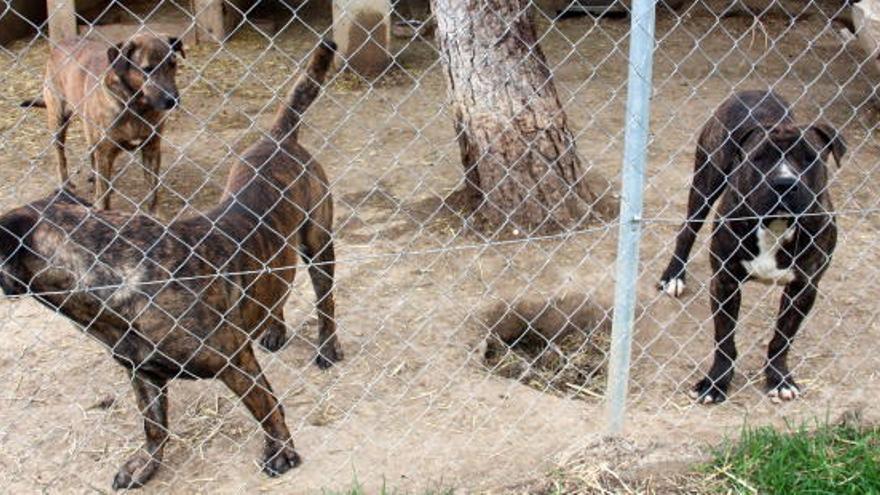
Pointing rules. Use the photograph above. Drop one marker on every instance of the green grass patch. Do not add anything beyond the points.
(838, 459)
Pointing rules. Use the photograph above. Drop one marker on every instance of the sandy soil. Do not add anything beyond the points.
(413, 406)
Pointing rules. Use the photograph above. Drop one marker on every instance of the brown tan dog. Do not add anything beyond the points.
(122, 92)
(185, 300)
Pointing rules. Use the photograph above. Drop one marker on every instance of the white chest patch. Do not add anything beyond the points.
(130, 286)
(786, 171)
(770, 240)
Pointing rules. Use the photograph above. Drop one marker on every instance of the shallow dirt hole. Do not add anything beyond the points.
(557, 346)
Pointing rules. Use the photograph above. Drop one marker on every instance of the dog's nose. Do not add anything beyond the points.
(784, 185)
(168, 102)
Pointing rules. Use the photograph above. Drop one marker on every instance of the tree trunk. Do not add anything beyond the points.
(522, 171)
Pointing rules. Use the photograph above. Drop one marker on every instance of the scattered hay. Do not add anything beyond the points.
(558, 346)
(617, 466)
(347, 81)
(326, 414)
(205, 420)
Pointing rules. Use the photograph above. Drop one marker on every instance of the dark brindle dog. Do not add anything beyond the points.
(184, 300)
(122, 92)
(774, 224)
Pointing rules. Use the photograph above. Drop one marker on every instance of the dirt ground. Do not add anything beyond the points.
(413, 405)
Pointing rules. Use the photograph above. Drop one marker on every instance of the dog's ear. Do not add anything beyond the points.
(176, 45)
(742, 137)
(119, 56)
(833, 139)
(113, 54)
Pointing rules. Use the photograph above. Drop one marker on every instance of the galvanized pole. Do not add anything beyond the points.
(638, 104)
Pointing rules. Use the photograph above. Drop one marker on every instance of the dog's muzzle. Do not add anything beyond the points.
(168, 102)
(792, 197)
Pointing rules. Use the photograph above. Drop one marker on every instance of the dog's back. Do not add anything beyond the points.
(75, 68)
(73, 72)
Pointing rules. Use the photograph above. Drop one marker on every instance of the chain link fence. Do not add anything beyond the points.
(475, 349)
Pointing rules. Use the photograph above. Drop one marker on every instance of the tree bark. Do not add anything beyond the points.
(522, 171)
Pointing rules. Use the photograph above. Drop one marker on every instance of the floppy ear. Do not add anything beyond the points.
(113, 54)
(118, 55)
(833, 139)
(176, 45)
(742, 137)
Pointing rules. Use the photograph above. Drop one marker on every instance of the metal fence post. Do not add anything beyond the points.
(641, 53)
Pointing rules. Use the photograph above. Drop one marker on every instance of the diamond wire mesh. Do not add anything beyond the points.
(440, 382)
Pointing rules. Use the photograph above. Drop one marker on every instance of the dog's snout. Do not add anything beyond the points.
(170, 102)
(784, 185)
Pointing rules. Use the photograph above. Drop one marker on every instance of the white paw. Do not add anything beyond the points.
(783, 393)
(674, 287)
(708, 398)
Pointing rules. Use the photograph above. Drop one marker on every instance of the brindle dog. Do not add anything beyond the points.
(185, 300)
(774, 224)
(122, 92)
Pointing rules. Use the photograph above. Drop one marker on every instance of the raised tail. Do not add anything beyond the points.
(35, 103)
(303, 93)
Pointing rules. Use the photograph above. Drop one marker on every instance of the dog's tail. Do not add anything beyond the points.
(35, 103)
(304, 92)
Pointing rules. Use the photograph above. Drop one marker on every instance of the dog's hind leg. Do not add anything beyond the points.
(797, 301)
(317, 251)
(274, 330)
(245, 378)
(59, 121)
(706, 186)
(152, 400)
(271, 291)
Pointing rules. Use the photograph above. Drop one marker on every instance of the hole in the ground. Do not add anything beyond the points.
(558, 346)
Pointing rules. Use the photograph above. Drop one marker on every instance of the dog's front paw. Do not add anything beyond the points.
(274, 338)
(136, 471)
(277, 460)
(673, 287)
(784, 391)
(328, 355)
(708, 391)
(672, 280)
